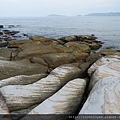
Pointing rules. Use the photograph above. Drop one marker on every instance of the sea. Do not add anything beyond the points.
(105, 28)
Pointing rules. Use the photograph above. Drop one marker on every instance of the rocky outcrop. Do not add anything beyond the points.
(1, 26)
(104, 97)
(104, 86)
(22, 79)
(37, 92)
(65, 101)
(23, 67)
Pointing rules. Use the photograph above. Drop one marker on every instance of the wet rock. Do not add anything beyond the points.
(65, 101)
(95, 46)
(10, 32)
(23, 67)
(39, 91)
(56, 59)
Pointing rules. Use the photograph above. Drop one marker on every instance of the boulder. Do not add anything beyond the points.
(56, 59)
(23, 67)
(104, 98)
(80, 55)
(62, 49)
(95, 46)
(19, 97)
(78, 47)
(22, 79)
(65, 101)
(68, 38)
(42, 40)
(39, 60)
(3, 44)
(34, 50)
(18, 43)
(106, 66)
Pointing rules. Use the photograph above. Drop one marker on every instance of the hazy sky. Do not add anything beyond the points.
(16, 8)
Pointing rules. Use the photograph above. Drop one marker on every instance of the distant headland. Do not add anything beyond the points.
(104, 14)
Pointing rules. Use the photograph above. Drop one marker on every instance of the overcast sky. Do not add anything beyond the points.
(22, 8)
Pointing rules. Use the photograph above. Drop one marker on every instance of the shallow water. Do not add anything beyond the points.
(106, 28)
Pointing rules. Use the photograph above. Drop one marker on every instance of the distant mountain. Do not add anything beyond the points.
(105, 14)
(56, 15)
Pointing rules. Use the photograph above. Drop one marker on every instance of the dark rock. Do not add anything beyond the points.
(10, 32)
(1, 33)
(68, 38)
(1, 26)
(3, 44)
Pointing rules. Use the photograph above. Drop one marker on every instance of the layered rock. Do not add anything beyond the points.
(104, 98)
(65, 101)
(22, 79)
(23, 96)
(105, 84)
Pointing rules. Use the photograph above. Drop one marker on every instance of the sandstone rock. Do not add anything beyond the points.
(22, 79)
(80, 56)
(65, 101)
(42, 40)
(68, 38)
(62, 49)
(24, 67)
(37, 92)
(34, 50)
(107, 66)
(78, 47)
(104, 98)
(56, 59)
(18, 43)
(39, 60)
(3, 107)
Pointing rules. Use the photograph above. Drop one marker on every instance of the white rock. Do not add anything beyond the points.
(22, 79)
(65, 101)
(103, 61)
(23, 96)
(104, 98)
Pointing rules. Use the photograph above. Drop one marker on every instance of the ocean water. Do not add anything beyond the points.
(106, 28)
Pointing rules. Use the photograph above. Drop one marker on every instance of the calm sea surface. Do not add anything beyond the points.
(107, 29)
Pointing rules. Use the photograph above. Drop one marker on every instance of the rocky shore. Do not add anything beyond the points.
(64, 76)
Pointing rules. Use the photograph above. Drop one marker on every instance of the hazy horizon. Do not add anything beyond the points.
(40, 8)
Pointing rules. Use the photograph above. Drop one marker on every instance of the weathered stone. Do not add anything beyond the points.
(39, 60)
(42, 40)
(95, 46)
(68, 38)
(62, 49)
(56, 59)
(104, 98)
(23, 96)
(24, 67)
(106, 66)
(34, 50)
(78, 47)
(18, 43)
(80, 56)
(65, 101)
(22, 79)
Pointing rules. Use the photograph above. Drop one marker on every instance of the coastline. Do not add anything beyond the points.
(59, 70)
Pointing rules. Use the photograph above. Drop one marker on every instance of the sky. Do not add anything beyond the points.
(38, 8)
